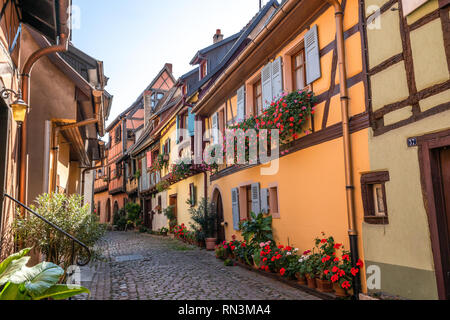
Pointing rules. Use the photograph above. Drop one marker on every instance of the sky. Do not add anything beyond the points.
(135, 38)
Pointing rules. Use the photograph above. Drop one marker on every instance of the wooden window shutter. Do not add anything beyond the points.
(235, 207)
(312, 55)
(168, 145)
(277, 78)
(240, 104)
(149, 159)
(215, 128)
(264, 202)
(266, 82)
(191, 122)
(256, 201)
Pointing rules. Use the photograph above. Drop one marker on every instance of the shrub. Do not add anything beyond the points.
(204, 219)
(70, 215)
(133, 211)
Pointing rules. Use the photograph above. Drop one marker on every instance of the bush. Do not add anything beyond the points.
(70, 215)
(133, 211)
(204, 217)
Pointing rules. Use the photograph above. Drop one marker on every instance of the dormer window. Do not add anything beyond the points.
(156, 97)
(203, 69)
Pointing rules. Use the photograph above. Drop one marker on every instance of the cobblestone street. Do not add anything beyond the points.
(144, 267)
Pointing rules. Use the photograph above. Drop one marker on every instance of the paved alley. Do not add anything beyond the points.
(145, 267)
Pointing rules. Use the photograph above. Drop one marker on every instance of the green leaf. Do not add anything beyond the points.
(13, 291)
(11, 258)
(12, 269)
(39, 278)
(61, 292)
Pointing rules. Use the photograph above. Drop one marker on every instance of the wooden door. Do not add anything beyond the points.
(440, 175)
(220, 219)
(173, 203)
(444, 159)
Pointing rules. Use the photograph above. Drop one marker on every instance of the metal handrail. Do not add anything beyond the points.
(74, 240)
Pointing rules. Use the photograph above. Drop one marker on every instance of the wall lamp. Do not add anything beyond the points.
(19, 107)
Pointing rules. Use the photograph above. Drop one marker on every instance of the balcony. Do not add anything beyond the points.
(132, 185)
(101, 185)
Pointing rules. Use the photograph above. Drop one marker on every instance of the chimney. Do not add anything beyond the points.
(148, 111)
(169, 66)
(218, 36)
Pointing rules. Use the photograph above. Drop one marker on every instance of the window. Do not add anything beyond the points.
(192, 195)
(257, 98)
(248, 191)
(374, 197)
(98, 208)
(298, 70)
(117, 134)
(203, 70)
(273, 202)
(156, 97)
(159, 205)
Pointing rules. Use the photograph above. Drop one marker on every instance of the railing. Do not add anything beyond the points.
(74, 240)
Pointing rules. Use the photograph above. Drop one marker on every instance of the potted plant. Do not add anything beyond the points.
(164, 231)
(204, 222)
(220, 252)
(327, 253)
(342, 274)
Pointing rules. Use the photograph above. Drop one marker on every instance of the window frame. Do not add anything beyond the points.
(256, 97)
(368, 181)
(294, 69)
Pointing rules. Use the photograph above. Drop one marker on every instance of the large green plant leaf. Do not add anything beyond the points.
(5, 263)
(61, 292)
(39, 278)
(13, 291)
(12, 269)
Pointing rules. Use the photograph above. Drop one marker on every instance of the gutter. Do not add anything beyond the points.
(62, 46)
(348, 161)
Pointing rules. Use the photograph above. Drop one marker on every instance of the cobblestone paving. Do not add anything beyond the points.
(145, 267)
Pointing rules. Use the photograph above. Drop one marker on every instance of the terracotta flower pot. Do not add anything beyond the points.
(339, 291)
(324, 285)
(210, 244)
(311, 282)
(300, 279)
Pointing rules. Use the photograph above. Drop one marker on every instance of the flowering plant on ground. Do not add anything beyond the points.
(180, 231)
(327, 251)
(220, 251)
(343, 272)
(290, 262)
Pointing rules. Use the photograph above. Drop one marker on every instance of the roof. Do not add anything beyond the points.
(80, 61)
(238, 45)
(139, 103)
(43, 15)
(216, 45)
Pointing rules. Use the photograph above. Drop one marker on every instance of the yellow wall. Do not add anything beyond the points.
(311, 189)
(181, 189)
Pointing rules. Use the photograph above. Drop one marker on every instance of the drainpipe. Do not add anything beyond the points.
(350, 188)
(25, 84)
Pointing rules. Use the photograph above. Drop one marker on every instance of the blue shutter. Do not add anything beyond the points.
(312, 55)
(277, 78)
(256, 202)
(191, 122)
(264, 202)
(235, 207)
(240, 104)
(266, 82)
